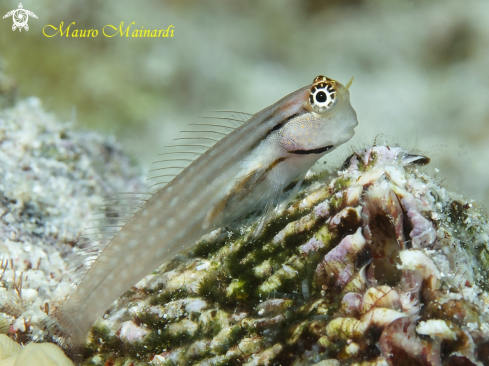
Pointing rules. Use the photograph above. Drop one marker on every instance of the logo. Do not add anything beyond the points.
(108, 31)
(20, 16)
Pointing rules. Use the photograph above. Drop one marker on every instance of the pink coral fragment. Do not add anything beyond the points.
(131, 332)
(339, 263)
(313, 245)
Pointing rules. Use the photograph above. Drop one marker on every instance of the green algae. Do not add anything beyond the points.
(163, 297)
(103, 342)
(341, 183)
(362, 167)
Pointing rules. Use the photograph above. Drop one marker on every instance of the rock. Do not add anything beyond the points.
(326, 285)
(131, 332)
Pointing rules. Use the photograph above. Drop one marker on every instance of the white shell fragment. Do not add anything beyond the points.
(34, 354)
(436, 328)
(42, 354)
(8, 347)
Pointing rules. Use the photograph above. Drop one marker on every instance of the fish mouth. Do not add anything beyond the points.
(319, 150)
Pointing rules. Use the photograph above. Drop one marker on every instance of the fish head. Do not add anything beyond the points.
(324, 118)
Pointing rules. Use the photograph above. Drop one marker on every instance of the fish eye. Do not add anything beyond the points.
(322, 95)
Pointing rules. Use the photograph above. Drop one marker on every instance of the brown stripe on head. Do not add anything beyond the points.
(322, 79)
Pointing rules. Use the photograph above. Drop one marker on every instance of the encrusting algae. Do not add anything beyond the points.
(377, 265)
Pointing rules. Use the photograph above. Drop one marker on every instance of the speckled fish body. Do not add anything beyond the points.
(256, 160)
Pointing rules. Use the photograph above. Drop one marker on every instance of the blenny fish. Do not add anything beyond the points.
(248, 166)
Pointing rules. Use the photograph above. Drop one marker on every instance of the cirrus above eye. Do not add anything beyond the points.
(322, 96)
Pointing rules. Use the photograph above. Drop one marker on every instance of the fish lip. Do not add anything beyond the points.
(349, 130)
(319, 150)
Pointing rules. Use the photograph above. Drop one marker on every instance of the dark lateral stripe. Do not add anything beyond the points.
(313, 151)
(281, 124)
(274, 164)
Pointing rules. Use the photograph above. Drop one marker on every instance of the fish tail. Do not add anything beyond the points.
(61, 328)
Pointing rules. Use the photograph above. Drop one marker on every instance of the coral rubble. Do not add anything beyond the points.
(378, 265)
(52, 178)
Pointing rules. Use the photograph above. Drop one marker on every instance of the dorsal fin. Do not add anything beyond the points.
(196, 139)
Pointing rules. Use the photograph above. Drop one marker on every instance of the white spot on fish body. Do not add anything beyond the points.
(97, 271)
(133, 243)
(182, 214)
(173, 201)
(126, 273)
(118, 287)
(145, 213)
(153, 222)
(160, 252)
(152, 240)
(159, 204)
(171, 222)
